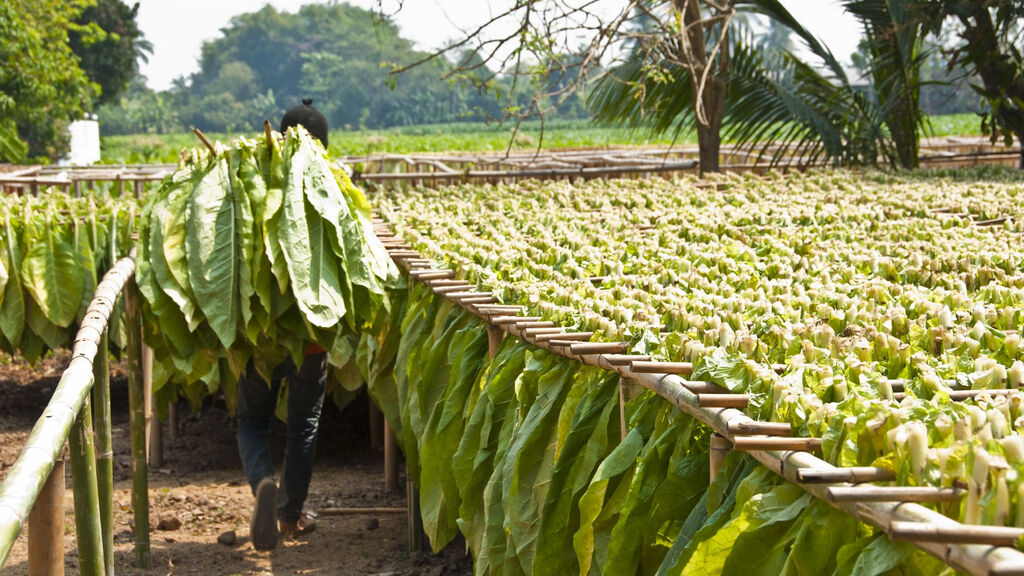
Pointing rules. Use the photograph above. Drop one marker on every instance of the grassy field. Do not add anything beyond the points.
(466, 137)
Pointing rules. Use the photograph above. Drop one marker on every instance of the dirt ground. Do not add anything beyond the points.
(201, 486)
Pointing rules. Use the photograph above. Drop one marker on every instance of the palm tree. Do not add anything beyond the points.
(785, 107)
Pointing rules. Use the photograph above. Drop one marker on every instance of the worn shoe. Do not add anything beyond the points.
(263, 524)
(294, 528)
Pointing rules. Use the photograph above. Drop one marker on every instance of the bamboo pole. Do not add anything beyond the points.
(620, 359)
(376, 418)
(598, 347)
(722, 400)
(508, 320)
(565, 336)
(104, 449)
(154, 432)
(853, 474)
(136, 401)
(431, 274)
(390, 459)
(963, 534)
(647, 367)
(88, 526)
(719, 449)
(740, 427)
(416, 535)
(46, 527)
(529, 322)
(172, 422)
(495, 335)
(359, 510)
(776, 443)
(628, 390)
(893, 494)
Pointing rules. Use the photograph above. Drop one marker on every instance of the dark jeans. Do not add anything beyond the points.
(256, 401)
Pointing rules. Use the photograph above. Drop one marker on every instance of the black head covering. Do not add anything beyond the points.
(310, 118)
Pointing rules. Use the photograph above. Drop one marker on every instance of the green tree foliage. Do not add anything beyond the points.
(990, 46)
(42, 86)
(110, 46)
(140, 110)
(268, 60)
(895, 57)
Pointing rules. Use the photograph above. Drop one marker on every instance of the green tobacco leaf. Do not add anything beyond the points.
(53, 336)
(529, 463)
(306, 243)
(584, 446)
(702, 525)
(12, 313)
(258, 262)
(4, 276)
(593, 505)
(629, 538)
(272, 168)
(168, 235)
(50, 274)
(212, 250)
(474, 460)
(244, 240)
(83, 246)
(439, 493)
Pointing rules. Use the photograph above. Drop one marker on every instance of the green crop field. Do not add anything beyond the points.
(465, 137)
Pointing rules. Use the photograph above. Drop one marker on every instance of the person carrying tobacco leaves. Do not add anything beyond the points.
(278, 511)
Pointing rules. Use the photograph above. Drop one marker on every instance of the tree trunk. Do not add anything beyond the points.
(709, 101)
(709, 142)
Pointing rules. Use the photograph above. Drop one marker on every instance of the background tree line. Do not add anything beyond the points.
(769, 78)
(267, 61)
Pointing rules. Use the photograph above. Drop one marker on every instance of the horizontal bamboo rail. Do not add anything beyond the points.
(358, 510)
(925, 532)
(43, 447)
(893, 494)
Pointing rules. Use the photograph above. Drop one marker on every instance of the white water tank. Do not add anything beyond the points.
(85, 142)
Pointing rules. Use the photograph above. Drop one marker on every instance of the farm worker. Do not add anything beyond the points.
(278, 511)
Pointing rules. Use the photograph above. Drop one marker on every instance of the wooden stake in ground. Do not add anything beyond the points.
(46, 527)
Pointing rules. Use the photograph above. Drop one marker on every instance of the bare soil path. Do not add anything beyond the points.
(201, 487)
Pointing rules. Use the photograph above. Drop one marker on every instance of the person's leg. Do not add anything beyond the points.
(305, 401)
(256, 401)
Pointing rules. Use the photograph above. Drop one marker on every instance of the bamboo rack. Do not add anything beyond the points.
(882, 507)
(25, 479)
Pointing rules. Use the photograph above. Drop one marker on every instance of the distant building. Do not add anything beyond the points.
(85, 142)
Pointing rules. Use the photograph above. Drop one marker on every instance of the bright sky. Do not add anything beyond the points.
(177, 28)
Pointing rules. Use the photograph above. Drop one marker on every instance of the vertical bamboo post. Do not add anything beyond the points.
(494, 337)
(720, 447)
(390, 459)
(376, 426)
(86, 494)
(628, 390)
(172, 421)
(105, 449)
(416, 534)
(46, 527)
(136, 399)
